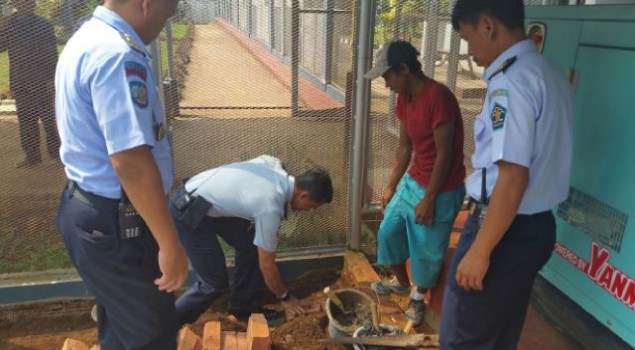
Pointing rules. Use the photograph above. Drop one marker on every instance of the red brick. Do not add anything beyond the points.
(71, 344)
(258, 333)
(188, 340)
(211, 336)
(358, 269)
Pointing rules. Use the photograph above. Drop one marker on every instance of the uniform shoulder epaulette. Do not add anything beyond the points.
(132, 43)
(503, 67)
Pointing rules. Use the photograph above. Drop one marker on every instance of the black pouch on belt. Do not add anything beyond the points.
(195, 212)
(131, 224)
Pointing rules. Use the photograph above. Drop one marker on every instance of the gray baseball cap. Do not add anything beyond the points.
(380, 64)
(390, 55)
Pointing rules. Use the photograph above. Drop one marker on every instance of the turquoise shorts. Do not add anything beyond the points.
(400, 238)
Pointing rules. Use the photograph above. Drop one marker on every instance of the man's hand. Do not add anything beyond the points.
(472, 270)
(173, 265)
(424, 211)
(292, 307)
(386, 197)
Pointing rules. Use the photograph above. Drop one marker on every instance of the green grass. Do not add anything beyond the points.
(179, 31)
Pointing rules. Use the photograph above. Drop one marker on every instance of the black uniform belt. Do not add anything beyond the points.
(90, 198)
(476, 208)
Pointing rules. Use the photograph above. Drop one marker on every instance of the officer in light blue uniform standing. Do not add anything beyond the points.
(522, 165)
(113, 214)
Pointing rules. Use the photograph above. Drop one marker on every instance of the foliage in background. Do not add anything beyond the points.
(410, 24)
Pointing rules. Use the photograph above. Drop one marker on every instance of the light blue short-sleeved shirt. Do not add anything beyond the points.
(527, 120)
(107, 102)
(256, 190)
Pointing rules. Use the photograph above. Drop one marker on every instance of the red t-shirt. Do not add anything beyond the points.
(434, 105)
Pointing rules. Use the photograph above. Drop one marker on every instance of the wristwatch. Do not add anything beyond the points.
(285, 296)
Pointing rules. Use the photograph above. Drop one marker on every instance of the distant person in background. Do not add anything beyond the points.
(30, 41)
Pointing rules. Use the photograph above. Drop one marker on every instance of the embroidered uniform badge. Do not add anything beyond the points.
(135, 69)
(498, 116)
(498, 92)
(139, 93)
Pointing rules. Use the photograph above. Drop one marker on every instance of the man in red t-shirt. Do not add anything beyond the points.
(420, 212)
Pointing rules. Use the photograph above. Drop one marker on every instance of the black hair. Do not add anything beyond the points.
(403, 52)
(317, 182)
(509, 12)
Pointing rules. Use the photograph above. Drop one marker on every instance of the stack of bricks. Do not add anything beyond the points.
(256, 338)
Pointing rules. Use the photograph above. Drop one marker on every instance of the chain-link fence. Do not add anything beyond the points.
(427, 25)
(245, 77)
(253, 77)
(259, 81)
(32, 176)
(444, 57)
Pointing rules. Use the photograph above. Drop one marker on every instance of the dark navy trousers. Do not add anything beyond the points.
(132, 312)
(494, 318)
(208, 261)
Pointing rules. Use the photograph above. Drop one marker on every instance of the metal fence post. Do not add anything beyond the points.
(155, 51)
(272, 24)
(250, 18)
(170, 86)
(431, 34)
(392, 97)
(453, 60)
(295, 56)
(361, 109)
(328, 53)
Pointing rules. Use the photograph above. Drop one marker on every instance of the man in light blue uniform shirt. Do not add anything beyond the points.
(522, 165)
(242, 203)
(113, 214)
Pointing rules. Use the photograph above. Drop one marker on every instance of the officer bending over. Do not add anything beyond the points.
(242, 203)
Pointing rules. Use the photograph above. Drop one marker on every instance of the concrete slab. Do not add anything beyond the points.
(223, 75)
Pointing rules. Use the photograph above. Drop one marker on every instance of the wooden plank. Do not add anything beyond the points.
(72, 344)
(212, 336)
(228, 340)
(416, 340)
(258, 333)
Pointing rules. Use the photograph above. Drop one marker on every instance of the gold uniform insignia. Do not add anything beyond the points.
(160, 132)
(503, 67)
(131, 42)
